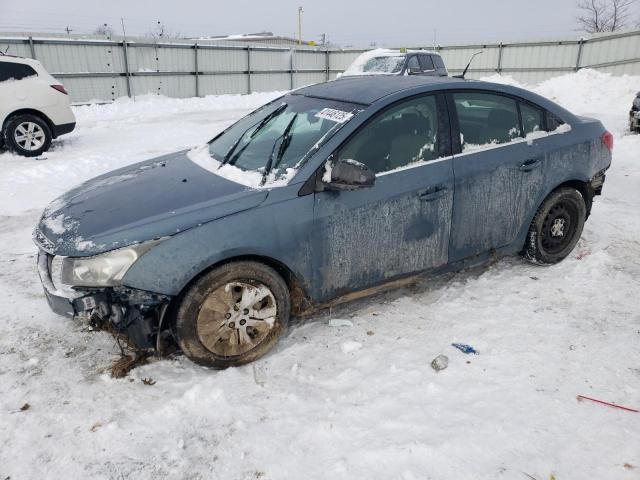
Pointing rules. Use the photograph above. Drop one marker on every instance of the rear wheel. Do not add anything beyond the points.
(557, 226)
(27, 135)
(232, 315)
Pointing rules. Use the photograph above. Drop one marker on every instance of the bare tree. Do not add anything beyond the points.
(162, 32)
(104, 30)
(604, 15)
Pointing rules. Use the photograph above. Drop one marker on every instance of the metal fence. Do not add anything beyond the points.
(95, 69)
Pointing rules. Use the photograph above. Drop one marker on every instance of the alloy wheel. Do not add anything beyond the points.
(236, 317)
(29, 136)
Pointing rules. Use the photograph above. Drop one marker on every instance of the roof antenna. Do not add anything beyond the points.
(468, 65)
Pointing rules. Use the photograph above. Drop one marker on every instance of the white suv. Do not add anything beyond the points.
(34, 106)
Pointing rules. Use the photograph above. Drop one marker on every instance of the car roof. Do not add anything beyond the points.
(367, 89)
(14, 59)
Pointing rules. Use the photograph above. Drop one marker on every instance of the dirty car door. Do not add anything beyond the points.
(498, 174)
(401, 224)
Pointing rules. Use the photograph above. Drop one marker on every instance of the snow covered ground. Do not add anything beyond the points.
(359, 402)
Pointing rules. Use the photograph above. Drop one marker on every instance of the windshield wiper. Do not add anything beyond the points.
(284, 144)
(259, 126)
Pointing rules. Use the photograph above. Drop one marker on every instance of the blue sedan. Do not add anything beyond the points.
(331, 192)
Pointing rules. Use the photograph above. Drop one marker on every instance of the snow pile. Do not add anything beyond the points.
(343, 403)
(589, 93)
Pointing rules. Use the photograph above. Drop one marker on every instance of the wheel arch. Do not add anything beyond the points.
(300, 299)
(30, 111)
(581, 186)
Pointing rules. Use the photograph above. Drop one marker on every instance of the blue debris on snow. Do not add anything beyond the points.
(465, 348)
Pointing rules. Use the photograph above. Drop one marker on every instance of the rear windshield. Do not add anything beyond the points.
(279, 136)
(15, 71)
(384, 64)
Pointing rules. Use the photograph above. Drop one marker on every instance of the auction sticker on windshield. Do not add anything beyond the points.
(334, 115)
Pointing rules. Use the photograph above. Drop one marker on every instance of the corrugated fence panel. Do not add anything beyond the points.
(222, 60)
(19, 49)
(222, 84)
(615, 49)
(339, 60)
(180, 86)
(270, 82)
(143, 59)
(65, 58)
(542, 56)
(456, 59)
(176, 59)
(95, 89)
(270, 60)
(95, 69)
(304, 79)
(304, 60)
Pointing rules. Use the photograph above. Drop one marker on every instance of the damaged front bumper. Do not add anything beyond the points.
(136, 314)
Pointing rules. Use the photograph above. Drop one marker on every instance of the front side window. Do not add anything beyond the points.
(486, 119)
(413, 65)
(279, 136)
(15, 71)
(405, 134)
(532, 118)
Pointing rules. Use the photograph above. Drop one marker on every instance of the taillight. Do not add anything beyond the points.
(59, 88)
(607, 139)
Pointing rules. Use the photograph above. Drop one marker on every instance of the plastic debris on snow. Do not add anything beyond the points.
(464, 348)
(340, 322)
(440, 363)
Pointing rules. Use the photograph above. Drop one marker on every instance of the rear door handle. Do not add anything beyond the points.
(433, 194)
(530, 164)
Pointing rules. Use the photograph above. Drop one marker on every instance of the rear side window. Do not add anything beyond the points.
(553, 122)
(437, 60)
(398, 137)
(15, 71)
(532, 118)
(486, 119)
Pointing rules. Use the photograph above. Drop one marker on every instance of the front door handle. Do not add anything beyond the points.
(433, 194)
(530, 164)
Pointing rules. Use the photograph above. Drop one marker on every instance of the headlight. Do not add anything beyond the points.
(104, 270)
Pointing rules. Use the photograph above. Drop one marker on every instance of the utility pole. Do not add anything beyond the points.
(68, 30)
(323, 39)
(300, 25)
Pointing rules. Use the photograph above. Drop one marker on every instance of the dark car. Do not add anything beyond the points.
(328, 193)
(398, 62)
(634, 114)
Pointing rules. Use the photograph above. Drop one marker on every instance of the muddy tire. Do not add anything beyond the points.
(27, 135)
(556, 227)
(232, 315)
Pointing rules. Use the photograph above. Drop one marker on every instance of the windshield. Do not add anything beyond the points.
(384, 65)
(279, 136)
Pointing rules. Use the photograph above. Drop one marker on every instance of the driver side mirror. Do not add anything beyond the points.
(345, 174)
(414, 71)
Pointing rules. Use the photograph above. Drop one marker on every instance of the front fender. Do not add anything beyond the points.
(279, 231)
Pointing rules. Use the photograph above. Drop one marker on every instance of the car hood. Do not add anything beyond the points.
(145, 201)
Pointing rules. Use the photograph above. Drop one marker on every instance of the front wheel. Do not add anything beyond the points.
(232, 315)
(27, 135)
(557, 226)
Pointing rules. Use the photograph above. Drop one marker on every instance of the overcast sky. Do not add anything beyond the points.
(357, 22)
